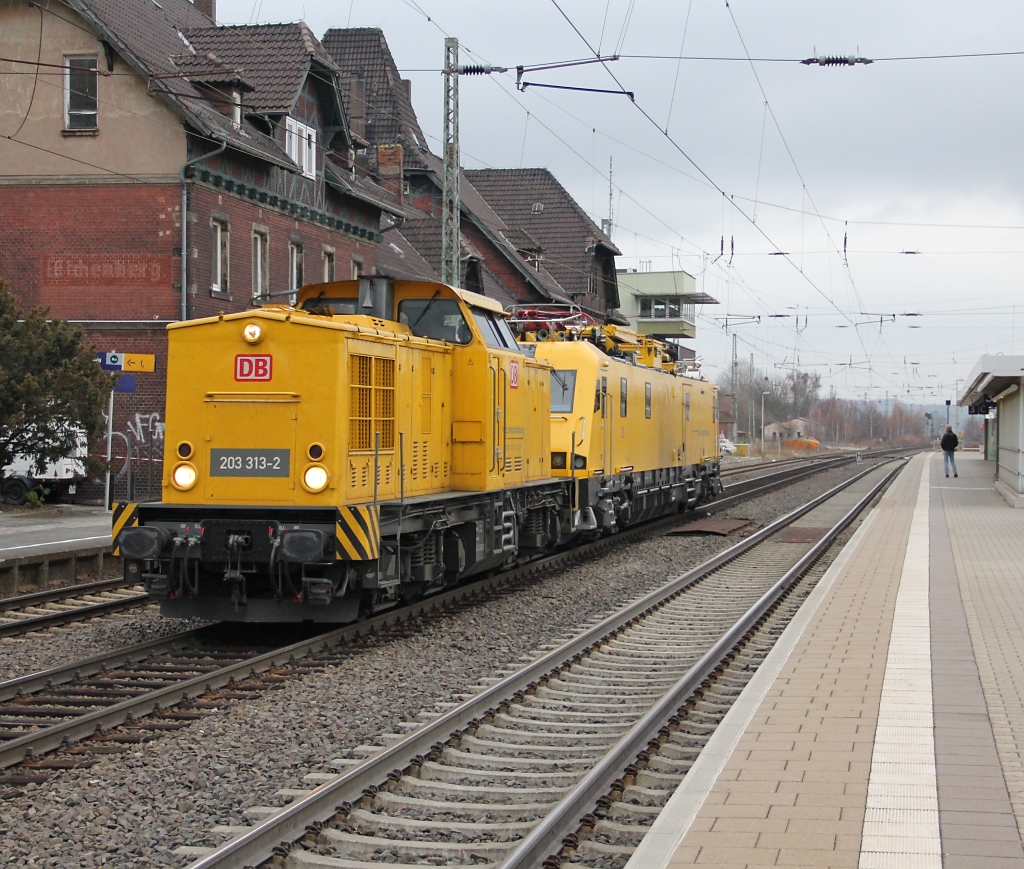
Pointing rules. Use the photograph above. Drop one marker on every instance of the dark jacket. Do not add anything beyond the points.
(949, 442)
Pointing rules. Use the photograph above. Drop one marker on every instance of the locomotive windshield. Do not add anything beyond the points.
(563, 385)
(440, 319)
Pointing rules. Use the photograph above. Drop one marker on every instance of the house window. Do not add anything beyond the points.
(328, 264)
(357, 269)
(647, 401)
(80, 102)
(300, 144)
(220, 249)
(623, 383)
(260, 264)
(294, 268)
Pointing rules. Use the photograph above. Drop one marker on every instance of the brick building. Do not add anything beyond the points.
(500, 258)
(117, 114)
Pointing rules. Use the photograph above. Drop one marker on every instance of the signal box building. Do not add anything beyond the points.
(118, 116)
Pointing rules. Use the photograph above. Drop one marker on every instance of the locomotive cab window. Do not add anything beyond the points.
(490, 328)
(647, 400)
(440, 319)
(563, 387)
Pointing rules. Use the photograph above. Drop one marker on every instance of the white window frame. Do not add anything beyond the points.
(300, 145)
(68, 61)
(220, 255)
(329, 264)
(296, 252)
(357, 268)
(260, 263)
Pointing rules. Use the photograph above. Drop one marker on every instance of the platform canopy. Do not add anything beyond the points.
(992, 376)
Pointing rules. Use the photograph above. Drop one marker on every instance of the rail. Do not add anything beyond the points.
(291, 822)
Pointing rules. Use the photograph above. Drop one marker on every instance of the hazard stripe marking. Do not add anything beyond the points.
(123, 515)
(357, 530)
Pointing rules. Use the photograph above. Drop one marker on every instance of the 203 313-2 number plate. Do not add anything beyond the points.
(250, 463)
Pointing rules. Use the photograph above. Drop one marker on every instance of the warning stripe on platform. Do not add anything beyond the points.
(357, 530)
(124, 515)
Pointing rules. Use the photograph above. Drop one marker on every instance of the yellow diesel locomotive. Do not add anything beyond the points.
(381, 439)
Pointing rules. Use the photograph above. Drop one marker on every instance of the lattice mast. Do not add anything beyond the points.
(450, 248)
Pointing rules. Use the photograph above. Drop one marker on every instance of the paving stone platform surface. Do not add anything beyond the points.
(887, 727)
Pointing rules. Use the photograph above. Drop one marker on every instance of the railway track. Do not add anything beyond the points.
(601, 729)
(43, 711)
(47, 609)
(61, 606)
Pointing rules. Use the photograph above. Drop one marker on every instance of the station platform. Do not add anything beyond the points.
(886, 727)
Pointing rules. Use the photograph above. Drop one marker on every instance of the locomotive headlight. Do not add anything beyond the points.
(253, 333)
(579, 462)
(558, 461)
(315, 478)
(184, 476)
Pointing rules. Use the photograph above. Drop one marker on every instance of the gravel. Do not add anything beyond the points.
(133, 809)
(41, 650)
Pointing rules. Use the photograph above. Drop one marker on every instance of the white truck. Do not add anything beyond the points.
(60, 478)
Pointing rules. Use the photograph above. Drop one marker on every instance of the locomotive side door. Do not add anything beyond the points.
(499, 400)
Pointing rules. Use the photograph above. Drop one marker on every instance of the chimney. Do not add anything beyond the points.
(357, 107)
(407, 85)
(389, 165)
(208, 8)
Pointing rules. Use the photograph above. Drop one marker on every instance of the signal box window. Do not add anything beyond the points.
(440, 319)
(80, 93)
(328, 265)
(563, 387)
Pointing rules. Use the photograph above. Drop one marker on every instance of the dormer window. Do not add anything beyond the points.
(300, 144)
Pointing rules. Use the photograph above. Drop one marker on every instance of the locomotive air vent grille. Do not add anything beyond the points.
(353, 476)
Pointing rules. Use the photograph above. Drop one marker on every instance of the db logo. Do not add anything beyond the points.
(253, 367)
(513, 373)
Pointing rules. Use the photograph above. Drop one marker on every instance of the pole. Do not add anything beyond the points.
(450, 209)
(762, 425)
(110, 443)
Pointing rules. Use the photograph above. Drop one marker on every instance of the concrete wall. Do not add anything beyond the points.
(137, 136)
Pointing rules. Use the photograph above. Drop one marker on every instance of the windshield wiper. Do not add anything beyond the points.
(426, 308)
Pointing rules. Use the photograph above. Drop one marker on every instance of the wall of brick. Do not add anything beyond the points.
(498, 263)
(243, 217)
(111, 252)
(92, 251)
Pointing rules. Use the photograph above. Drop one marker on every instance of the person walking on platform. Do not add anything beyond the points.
(949, 443)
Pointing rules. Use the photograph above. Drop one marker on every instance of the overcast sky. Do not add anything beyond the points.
(915, 162)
